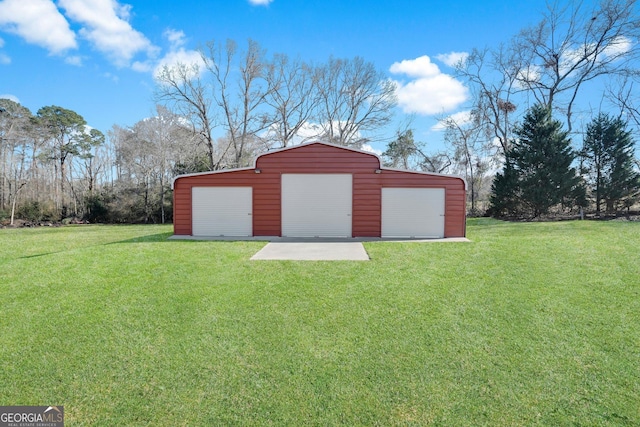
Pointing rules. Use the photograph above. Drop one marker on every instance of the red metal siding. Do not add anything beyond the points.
(320, 158)
(455, 196)
(242, 178)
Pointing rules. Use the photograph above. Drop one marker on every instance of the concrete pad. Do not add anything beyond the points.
(316, 239)
(324, 251)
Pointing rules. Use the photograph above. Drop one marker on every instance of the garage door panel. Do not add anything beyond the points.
(413, 212)
(222, 211)
(316, 205)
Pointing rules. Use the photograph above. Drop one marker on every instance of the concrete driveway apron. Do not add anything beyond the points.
(313, 251)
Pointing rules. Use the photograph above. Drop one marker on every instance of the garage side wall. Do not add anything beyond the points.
(455, 195)
(182, 203)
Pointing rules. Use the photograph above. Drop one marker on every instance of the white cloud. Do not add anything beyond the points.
(38, 22)
(107, 28)
(430, 91)
(10, 97)
(260, 2)
(419, 67)
(111, 77)
(188, 61)
(74, 60)
(461, 118)
(530, 74)
(105, 24)
(142, 66)
(309, 130)
(453, 58)
(176, 38)
(4, 59)
(619, 46)
(370, 149)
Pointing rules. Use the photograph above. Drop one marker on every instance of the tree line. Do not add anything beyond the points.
(214, 114)
(257, 102)
(522, 137)
(46, 160)
(539, 173)
(574, 50)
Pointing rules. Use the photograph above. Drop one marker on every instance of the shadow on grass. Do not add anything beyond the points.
(40, 255)
(151, 238)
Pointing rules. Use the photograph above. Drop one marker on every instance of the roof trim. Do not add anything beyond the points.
(186, 175)
(444, 175)
(328, 144)
(278, 150)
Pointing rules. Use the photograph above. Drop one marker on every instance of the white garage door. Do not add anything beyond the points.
(222, 211)
(413, 212)
(316, 205)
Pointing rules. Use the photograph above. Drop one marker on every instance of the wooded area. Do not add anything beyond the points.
(577, 63)
(215, 116)
(237, 102)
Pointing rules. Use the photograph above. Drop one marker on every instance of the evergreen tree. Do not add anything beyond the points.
(66, 130)
(505, 192)
(543, 156)
(608, 159)
(541, 175)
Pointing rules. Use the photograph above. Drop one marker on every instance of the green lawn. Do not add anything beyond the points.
(530, 324)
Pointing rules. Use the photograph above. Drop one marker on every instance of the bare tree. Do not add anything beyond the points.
(136, 163)
(90, 163)
(259, 102)
(550, 63)
(181, 88)
(623, 94)
(147, 154)
(573, 45)
(465, 137)
(239, 104)
(492, 76)
(292, 98)
(354, 99)
(14, 122)
(439, 162)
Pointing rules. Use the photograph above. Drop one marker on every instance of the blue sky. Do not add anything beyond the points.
(97, 57)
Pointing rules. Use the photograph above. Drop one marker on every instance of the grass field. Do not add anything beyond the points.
(530, 324)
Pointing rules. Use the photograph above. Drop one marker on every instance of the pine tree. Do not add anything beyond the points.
(504, 192)
(541, 158)
(608, 158)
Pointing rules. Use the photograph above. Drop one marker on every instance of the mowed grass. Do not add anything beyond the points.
(530, 324)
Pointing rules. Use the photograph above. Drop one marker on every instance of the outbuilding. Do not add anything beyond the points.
(319, 190)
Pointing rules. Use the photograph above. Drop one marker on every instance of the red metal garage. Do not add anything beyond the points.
(319, 190)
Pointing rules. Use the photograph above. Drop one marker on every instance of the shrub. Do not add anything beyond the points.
(35, 211)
